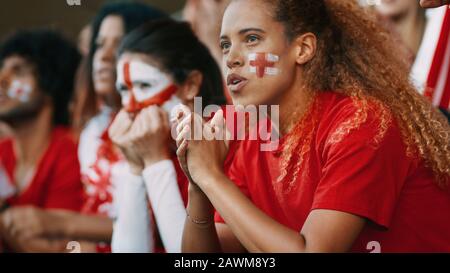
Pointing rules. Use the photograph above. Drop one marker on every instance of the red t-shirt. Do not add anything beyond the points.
(405, 209)
(56, 183)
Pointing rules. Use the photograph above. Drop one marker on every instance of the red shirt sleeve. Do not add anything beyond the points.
(65, 190)
(360, 176)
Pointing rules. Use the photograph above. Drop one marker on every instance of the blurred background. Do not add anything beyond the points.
(19, 14)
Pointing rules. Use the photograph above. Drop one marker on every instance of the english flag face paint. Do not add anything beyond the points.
(263, 64)
(145, 86)
(19, 91)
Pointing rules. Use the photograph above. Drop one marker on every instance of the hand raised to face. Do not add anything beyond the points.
(200, 157)
(119, 133)
(144, 139)
(433, 3)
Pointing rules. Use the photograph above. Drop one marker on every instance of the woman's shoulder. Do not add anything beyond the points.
(351, 121)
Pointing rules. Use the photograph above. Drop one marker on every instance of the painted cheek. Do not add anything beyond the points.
(20, 91)
(263, 64)
(125, 98)
(143, 95)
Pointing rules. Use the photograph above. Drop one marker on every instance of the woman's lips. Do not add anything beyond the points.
(105, 73)
(236, 82)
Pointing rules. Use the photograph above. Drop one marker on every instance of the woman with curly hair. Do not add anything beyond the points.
(364, 159)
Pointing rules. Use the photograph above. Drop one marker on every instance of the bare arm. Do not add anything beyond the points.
(324, 230)
(37, 245)
(199, 238)
(207, 237)
(85, 227)
(31, 222)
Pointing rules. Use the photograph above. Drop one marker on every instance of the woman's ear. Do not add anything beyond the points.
(305, 47)
(191, 87)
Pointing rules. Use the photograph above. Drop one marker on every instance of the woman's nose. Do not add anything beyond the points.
(235, 59)
(107, 53)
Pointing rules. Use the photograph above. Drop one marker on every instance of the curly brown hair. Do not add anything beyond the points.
(357, 57)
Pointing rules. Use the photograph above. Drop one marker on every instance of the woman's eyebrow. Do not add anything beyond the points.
(243, 31)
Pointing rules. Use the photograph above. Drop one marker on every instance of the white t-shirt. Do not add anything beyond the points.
(132, 228)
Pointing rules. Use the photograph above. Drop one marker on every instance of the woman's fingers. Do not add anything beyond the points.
(121, 124)
(154, 116)
(183, 135)
(141, 125)
(165, 123)
(120, 128)
(219, 127)
(180, 112)
(433, 3)
(183, 123)
(181, 154)
(181, 151)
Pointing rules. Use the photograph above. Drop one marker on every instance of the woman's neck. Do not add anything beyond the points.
(33, 136)
(293, 105)
(411, 27)
(111, 101)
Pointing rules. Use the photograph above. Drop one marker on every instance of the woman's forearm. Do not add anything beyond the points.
(77, 226)
(248, 223)
(38, 245)
(200, 235)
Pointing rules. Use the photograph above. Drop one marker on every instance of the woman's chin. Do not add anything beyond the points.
(103, 89)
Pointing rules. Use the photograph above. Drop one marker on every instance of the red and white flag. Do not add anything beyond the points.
(438, 83)
(431, 69)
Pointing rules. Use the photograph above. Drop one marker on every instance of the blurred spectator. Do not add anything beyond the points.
(38, 165)
(205, 17)
(84, 40)
(433, 3)
(92, 228)
(174, 75)
(426, 34)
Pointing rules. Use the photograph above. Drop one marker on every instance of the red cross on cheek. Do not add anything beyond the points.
(262, 62)
(19, 92)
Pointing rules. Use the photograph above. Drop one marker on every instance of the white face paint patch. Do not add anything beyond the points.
(263, 64)
(145, 85)
(19, 91)
(170, 104)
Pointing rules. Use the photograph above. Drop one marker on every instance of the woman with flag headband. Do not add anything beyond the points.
(155, 75)
(363, 158)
